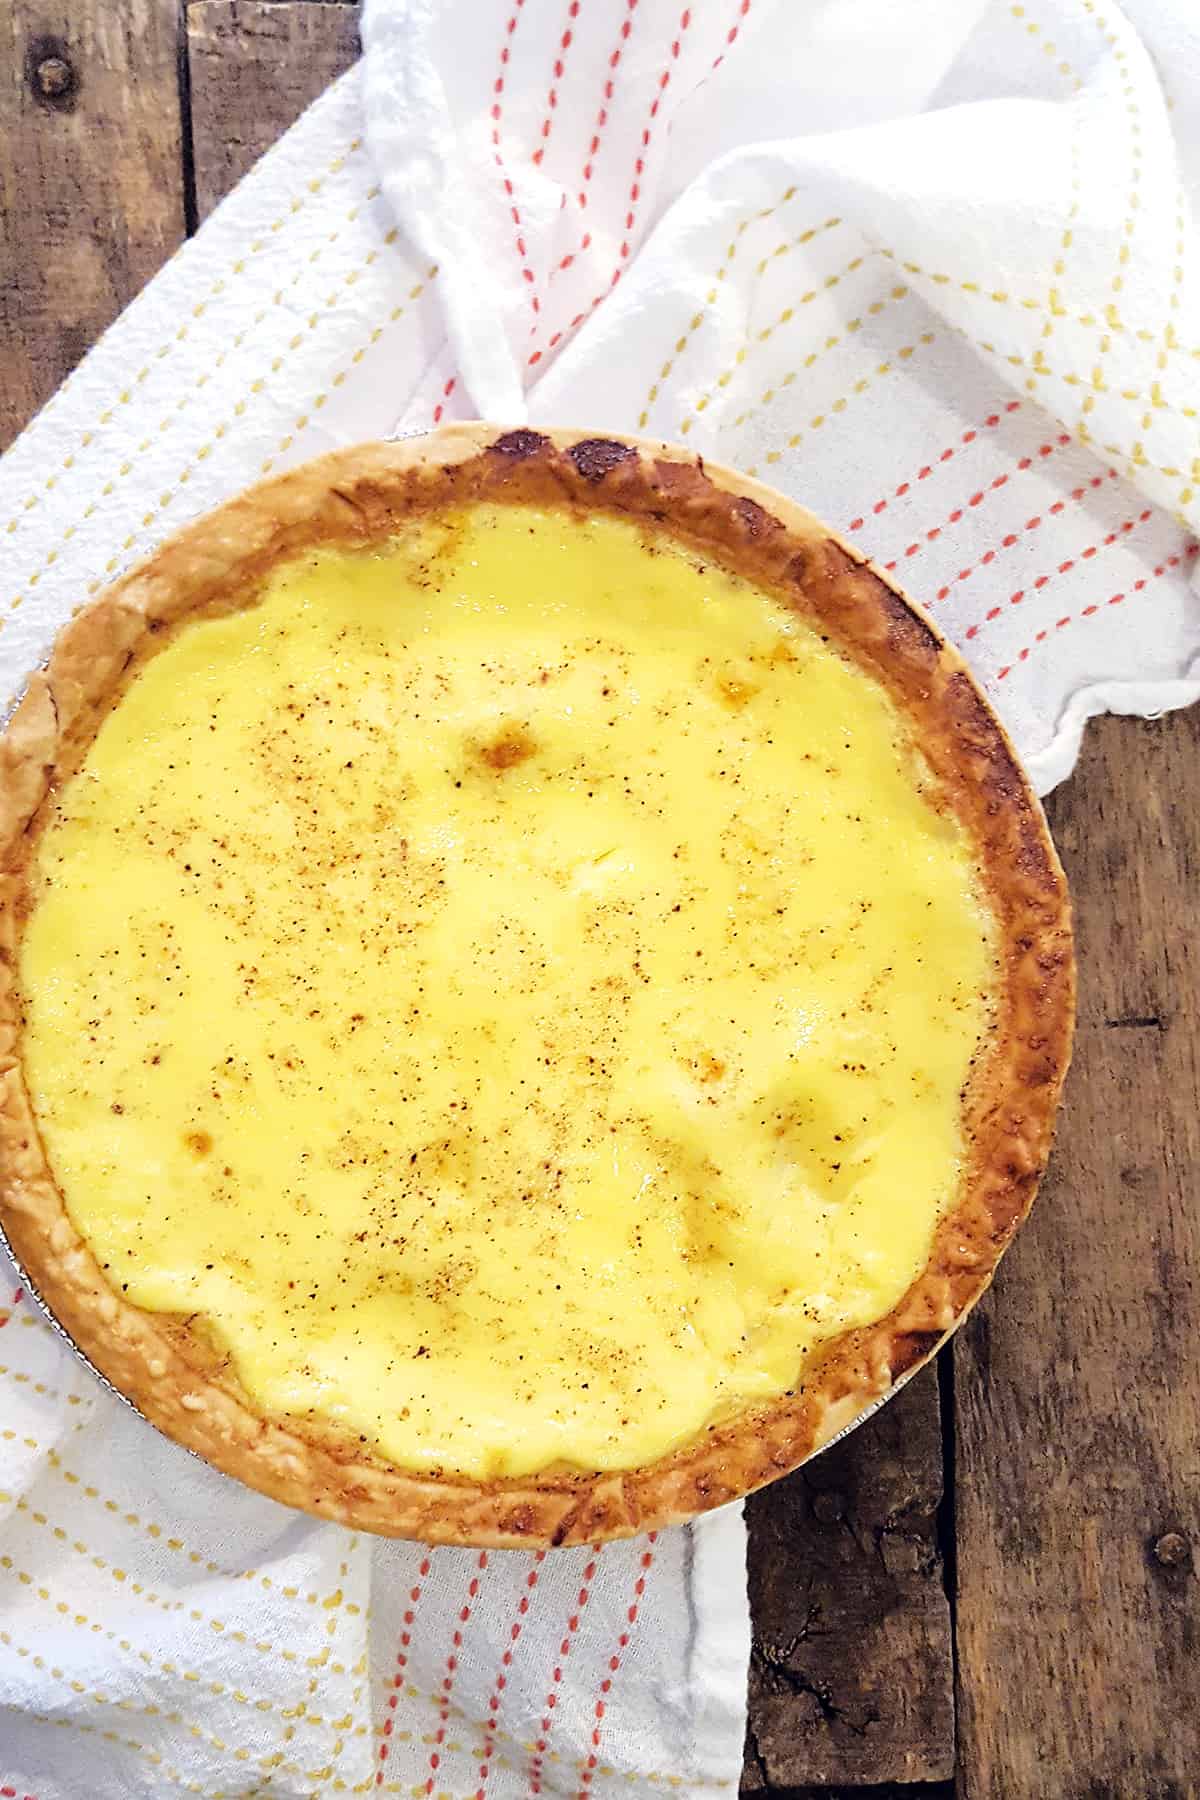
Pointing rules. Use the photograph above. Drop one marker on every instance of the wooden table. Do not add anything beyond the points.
(991, 1588)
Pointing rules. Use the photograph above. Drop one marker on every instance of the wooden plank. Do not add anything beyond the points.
(1078, 1386)
(91, 179)
(254, 66)
(851, 1674)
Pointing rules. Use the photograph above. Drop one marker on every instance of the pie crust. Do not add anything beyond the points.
(351, 497)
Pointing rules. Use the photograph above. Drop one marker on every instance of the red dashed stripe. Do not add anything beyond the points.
(5, 1315)
(560, 63)
(397, 1680)
(440, 408)
(1038, 519)
(639, 163)
(564, 1651)
(977, 499)
(496, 1695)
(1064, 568)
(589, 167)
(11, 1793)
(731, 36)
(633, 200)
(498, 159)
(1171, 562)
(614, 63)
(588, 1772)
(456, 1642)
(923, 474)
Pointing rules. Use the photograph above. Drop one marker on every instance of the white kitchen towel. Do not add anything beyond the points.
(931, 269)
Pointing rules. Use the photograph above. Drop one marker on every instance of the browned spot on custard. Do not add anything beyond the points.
(734, 691)
(511, 745)
(198, 1142)
(597, 457)
(709, 1067)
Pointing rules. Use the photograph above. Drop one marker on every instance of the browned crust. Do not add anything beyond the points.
(352, 497)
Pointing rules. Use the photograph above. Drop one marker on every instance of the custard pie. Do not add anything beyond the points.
(534, 988)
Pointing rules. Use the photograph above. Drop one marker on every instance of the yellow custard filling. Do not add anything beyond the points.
(514, 984)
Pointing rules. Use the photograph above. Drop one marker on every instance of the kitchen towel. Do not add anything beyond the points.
(931, 269)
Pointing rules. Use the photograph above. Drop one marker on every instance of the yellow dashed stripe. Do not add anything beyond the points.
(1133, 455)
(180, 1546)
(1093, 381)
(1136, 456)
(902, 355)
(40, 1387)
(164, 1768)
(121, 1578)
(275, 1760)
(1187, 493)
(814, 356)
(319, 400)
(1048, 48)
(1054, 300)
(298, 1713)
(767, 332)
(1111, 323)
(711, 296)
(10, 1437)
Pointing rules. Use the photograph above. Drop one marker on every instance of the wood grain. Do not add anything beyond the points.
(91, 179)
(254, 66)
(1078, 1383)
(851, 1674)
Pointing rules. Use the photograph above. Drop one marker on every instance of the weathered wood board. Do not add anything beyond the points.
(91, 179)
(1078, 1379)
(851, 1676)
(254, 65)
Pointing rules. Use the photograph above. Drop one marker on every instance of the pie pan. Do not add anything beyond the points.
(358, 496)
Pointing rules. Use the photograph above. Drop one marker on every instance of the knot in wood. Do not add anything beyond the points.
(54, 77)
(1172, 1550)
(828, 1506)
